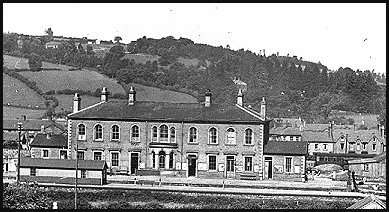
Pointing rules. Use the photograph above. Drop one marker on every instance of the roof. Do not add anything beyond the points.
(344, 155)
(363, 135)
(285, 148)
(316, 137)
(26, 162)
(13, 153)
(163, 111)
(56, 140)
(376, 159)
(53, 43)
(32, 125)
(285, 130)
(378, 204)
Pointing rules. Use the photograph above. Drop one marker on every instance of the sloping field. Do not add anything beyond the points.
(14, 113)
(17, 93)
(146, 93)
(12, 62)
(84, 80)
(66, 101)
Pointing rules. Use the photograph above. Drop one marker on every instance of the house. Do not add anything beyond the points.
(372, 168)
(63, 171)
(10, 160)
(49, 146)
(285, 133)
(318, 142)
(53, 45)
(285, 159)
(369, 202)
(180, 139)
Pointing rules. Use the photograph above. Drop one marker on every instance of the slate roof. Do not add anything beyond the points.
(376, 159)
(368, 200)
(32, 125)
(285, 130)
(363, 135)
(316, 137)
(163, 111)
(55, 140)
(26, 162)
(285, 148)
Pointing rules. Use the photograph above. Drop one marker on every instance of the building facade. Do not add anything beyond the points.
(49, 146)
(188, 140)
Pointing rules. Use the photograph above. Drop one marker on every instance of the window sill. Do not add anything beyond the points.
(197, 143)
(81, 140)
(230, 144)
(116, 141)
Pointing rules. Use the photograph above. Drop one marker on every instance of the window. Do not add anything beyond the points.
(374, 147)
(230, 163)
(80, 155)
(352, 147)
(162, 160)
(248, 136)
(114, 159)
(248, 164)
(325, 146)
(32, 171)
(153, 153)
(172, 135)
(342, 146)
(171, 160)
(212, 162)
(364, 146)
(45, 153)
(358, 146)
(83, 173)
(288, 164)
(163, 133)
(192, 135)
(154, 132)
(213, 136)
(135, 133)
(98, 132)
(115, 132)
(316, 146)
(63, 154)
(231, 136)
(365, 167)
(81, 132)
(97, 155)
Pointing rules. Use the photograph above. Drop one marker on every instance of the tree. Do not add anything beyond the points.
(117, 39)
(19, 196)
(49, 33)
(35, 62)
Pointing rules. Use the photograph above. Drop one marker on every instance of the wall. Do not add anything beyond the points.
(376, 170)
(369, 146)
(279, 167)
(36, 152)
(312, 149)
(61, 173)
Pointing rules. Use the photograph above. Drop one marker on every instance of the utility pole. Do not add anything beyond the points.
(19, 144)
(75, 189)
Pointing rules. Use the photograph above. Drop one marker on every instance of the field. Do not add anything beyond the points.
(146, 93)
(14, 113)
(17, 93)
(66, 102)
(84, 80)
(22, 63)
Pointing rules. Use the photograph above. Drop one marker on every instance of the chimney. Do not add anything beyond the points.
(76, 103)
(239, 100)
(104, 95)
(208, 95)
(131, 96)
(263, 107)
(42, 128)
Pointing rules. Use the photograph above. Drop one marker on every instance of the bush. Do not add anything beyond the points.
(23, 196)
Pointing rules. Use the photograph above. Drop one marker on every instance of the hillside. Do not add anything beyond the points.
(12, 62)
(15, 113)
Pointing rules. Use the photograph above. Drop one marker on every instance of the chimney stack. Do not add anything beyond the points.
(263, 107)
(239, 100)
(76, 103)
(104, 95)
(131, 96)
(208, 95)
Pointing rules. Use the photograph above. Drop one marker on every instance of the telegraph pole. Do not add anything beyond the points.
(19, 144)
(75, 189)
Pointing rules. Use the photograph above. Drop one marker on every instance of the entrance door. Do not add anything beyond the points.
(134, 162)
(268, 168)
(191, 167)
(230, 166)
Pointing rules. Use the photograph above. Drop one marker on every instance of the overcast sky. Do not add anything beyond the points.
(337, 35)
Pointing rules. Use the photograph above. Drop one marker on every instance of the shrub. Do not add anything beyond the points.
(22, 196)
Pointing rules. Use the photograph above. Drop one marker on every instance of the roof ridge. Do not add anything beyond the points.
(87, 108)
(249, 112)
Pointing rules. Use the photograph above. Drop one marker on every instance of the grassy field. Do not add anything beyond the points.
(12, 62)
(115, 199)
(84, 80)
(14, 113)
(16, 92)
(66, 101)
(146, 93)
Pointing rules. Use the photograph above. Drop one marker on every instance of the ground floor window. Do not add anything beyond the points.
(212, 162)
(83, 173)
(63, 154)
(230, 163)
(288, 164)
(365, 167)
(153, 159)
(171, 161)
(97, 155)
(32, 171)
(248, 164)
(80, 155)
(161, 160)
(114, 159)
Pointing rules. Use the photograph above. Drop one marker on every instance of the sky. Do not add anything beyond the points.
(337, 35)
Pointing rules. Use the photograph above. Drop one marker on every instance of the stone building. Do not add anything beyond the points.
(49, 146)
(179, 139)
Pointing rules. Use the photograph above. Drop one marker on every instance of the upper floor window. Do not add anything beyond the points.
(172, 135)
(316, 146)
(115, 132)
(45, 153)
(163, 133)
(154, 132)
(192, 135)
(81, 132)
(364, 146)
(98, 132)
(248, 136)
(213, 136)
(358, 146)
(135, 133)
(374, 147)
(342, 146)
(325, 146)
(231, 136)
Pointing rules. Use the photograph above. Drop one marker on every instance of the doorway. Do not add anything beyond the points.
(134, 162)
(268, 168)
(192, 166)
